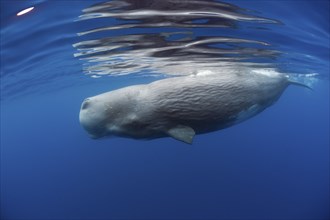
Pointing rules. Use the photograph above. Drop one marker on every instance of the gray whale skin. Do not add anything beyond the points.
(181, 107)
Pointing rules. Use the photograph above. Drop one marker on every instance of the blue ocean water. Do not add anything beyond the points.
(273, 166)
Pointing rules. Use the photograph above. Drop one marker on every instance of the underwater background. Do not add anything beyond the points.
(273, 166)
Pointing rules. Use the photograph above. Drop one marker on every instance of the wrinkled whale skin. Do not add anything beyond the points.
(181, 106)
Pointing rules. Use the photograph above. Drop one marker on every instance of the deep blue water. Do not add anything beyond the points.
(273, 166)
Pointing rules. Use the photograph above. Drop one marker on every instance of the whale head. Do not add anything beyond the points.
(93, 117)
(108, 113)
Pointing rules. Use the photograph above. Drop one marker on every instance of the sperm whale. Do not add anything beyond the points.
(181, 107)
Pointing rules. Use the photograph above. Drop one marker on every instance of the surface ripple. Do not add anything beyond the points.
(171, 37)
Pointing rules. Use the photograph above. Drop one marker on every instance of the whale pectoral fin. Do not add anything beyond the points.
(182, 133)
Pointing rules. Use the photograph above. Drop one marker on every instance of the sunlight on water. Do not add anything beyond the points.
(25, 11)
(194, 40)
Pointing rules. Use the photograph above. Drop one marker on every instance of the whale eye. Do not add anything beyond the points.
(85, 104)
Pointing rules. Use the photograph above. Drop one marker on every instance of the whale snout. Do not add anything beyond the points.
(91, 119)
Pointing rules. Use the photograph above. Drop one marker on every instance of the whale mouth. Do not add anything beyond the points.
(94, 131)
(94, 136)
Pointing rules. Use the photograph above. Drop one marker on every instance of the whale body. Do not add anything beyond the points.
(183, 106)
